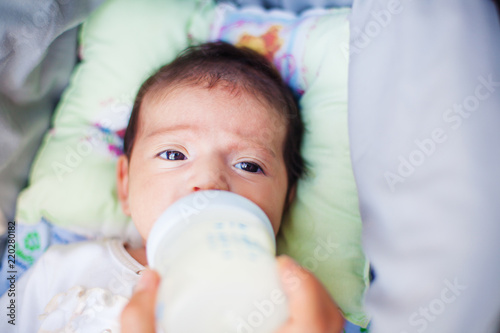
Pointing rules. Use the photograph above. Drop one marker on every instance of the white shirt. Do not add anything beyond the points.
(79, 287)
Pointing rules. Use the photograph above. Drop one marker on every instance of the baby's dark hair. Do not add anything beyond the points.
(220, 64)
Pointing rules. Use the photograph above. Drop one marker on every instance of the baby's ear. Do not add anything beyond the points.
(122, 183)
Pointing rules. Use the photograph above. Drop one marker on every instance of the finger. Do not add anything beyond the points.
(311, 307)
(139, 314)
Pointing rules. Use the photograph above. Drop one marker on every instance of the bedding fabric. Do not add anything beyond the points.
(424, 102)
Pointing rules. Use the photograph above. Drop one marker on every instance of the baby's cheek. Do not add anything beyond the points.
(277, 211)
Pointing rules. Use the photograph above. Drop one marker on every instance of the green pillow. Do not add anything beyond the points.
(323, 229)
(72, 183)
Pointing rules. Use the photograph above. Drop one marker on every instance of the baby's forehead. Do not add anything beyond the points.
(164, 95)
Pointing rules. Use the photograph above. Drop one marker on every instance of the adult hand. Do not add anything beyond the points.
(311, 308)
(139, 314)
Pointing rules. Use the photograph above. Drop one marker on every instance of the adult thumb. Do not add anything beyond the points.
(139, 314)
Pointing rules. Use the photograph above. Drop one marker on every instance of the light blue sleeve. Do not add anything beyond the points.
(424, 122)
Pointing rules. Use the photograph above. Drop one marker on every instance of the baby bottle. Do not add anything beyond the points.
(215, 252)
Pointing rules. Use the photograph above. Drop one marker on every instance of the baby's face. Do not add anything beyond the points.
(198, 139)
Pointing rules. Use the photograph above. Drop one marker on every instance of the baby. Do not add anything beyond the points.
(217, 118)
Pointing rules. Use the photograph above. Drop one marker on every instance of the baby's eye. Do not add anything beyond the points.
(172, 155)
(250, 167)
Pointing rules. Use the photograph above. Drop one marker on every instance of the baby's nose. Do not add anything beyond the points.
(211, 179)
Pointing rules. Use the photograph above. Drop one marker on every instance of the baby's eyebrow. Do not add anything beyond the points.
(255, 146)
(171, 129)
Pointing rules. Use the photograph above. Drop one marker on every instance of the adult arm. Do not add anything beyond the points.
(424, 101)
